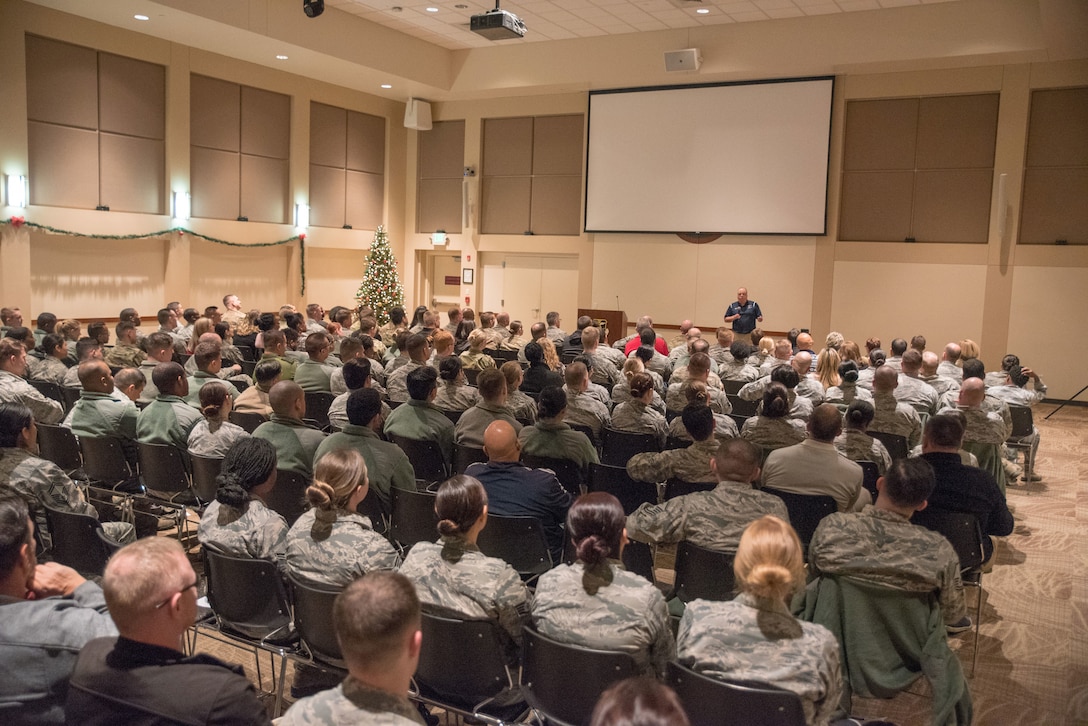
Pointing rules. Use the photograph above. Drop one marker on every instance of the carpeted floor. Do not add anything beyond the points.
(1033, 648)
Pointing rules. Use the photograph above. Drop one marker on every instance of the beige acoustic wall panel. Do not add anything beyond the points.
(264, 189)
(91, 278)
(328, 133)
(508, 146)
(880, 134)
(1044, 302)
(876, 205)
(504, 203)
(952, 206)
(61, 83)
(258, 275)
(366, 143)
(439, 205)
(215, 109)
(327, 194)
(1058, 131)
(556, 204)
(557, 145)
(889, 300)
(957, 132)
(63, 166)
(333, 275)
(442, 151)
(364, 199)
(266, 123)
(215, 180)
(132, 97)
(1055, 206)
(132, 174)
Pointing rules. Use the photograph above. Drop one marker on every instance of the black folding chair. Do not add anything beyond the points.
(464, 456)
(425, 457)
(205, 472)
(248, 421)
(288, 497)
(569, 473)
(414, 519)
(742, 407)
(453, 416)
(702, 574)
(619, 446)
(614, 480)
(806, 511)
(75, 541)
(520, 541)
(562, 682)
(870, 472)
(104, 461)
(50, 390)
(59, 445)
(317, 407)
(313, 622)
(896, 444)
(713, 702)
(732, 387)
(678, 487)
(1023, 426)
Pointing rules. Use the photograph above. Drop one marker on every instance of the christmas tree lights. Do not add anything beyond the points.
(381, 288)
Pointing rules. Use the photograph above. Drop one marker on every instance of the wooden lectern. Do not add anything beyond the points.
(615, 322)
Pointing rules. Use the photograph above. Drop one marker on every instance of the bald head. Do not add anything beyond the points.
(685, 326)
(501, 442)
(802, 362)
(952, 352)
(930, 361)
(95, 376)
(885, 380)
(972, 392)
(285, 399)
(804, 341)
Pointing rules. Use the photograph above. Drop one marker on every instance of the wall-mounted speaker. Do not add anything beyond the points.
(417, 115)
(687, 59)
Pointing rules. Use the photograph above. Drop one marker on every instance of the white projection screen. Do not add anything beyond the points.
(737, 158)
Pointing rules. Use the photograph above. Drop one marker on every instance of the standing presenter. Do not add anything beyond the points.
(744, 313)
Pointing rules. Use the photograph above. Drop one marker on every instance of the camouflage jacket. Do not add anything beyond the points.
(859, 446)
(14, 389)
(352, 703)
(254, 531)
(336, 553)
(689, 464)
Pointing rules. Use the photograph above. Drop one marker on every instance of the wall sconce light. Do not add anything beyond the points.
(438, 238)
(302, 216)
(182, 206)
(18, 190)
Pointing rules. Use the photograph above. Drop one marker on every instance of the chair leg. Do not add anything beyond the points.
(978, 623)
(278, 709)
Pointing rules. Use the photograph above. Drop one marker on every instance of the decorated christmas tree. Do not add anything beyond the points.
(381, 288)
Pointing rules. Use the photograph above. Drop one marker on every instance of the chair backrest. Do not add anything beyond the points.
(678, 487)
(104, 459)
(961, 529)
(248, 421)
(564, 681)
(870, 473)
(461, 660)
(1022, 421)
(75, 541)
(317, 406)
(619, 446)
(165, 468)
(414, 519)
(111, 547)
(59, 445)
(739, 419)
(248, 353)
(638, 557)
(205, 471)
(453, 416)
(288, 497)
(471, 374)
(675, 442)
(806, 511)
(425, 457)
(896, 444)
(742, 407)
(615, 481)
(70, 394)
(712, 702)
(568, 472)
(463, 456)
(732, 387)
(703, 573)
(313, 620)
(49, 390)
(502, 354)
(247, 595)
(588, 431)
(519, 541)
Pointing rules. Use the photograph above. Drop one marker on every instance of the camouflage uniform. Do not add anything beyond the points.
(421, 421)
(167, 420)
(557, 441)
(49, 369)
(621, 393)
(386, 465)
(734, 370)
(556, 335)
(758, 639)
(199, 379)
(659, 364)
(469, 430)
(335, 553)
(688, 464)
(724, 428)
(721, 355)
(254, 531)
(893, 417)
(397, 381)
(811, 389)
(214, 444)
(638, 418)
(521, 406)
(476, 361)
(314, 376)
(14, 389)
(606, 608)
(917, 394)
(983, 427)
(845, 393)
(676, 398)
(456, 396)
(773, 433)
(941, 384)
(377, 375)
(770, 364)
(585, 410)
(295, 442)
(714, 519)
(884, 548)
(40, 482)
(100, 414)
(859, 446)
(613, 356)
(604, 370)
(124, 355)
(352, 703)
(713, 381)
(514, 342)
(454, 579)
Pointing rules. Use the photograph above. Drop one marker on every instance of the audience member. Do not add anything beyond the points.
(98, 413)
(14, 389)
(419, 418)
(691, 463)
(254, 399)
(295, 441)
(208, 359)
(552, 437)
(53, 366)
(636, 415)
(855, 443)
(418, 349)
(469, 430)
(773, 427)
(891, 416)
(639, 702)
(698, 393)
(454, 394)
(168, 419)
(583, 409)
(275, 348)
(314, 374)
(213, 435)
(520, 405)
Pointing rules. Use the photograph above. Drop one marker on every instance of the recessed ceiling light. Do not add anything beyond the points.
(281, 57)
(703, 11)
(386, 85)
(432, 10)
(141, 17)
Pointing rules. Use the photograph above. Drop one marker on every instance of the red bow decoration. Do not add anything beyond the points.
(302, 236)
(18, 222)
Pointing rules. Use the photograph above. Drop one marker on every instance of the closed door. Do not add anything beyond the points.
(529, 286)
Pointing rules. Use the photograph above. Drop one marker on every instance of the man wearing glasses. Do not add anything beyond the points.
(143, 676)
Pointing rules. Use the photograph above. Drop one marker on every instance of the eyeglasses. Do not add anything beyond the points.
(164, 602)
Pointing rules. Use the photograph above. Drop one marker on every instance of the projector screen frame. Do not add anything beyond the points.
(714, 84)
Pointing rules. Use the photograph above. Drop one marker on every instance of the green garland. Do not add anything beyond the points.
(300, 238)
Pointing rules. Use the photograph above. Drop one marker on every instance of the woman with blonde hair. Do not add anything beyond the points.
(621, 392)
(827, 368)
(755, 637)
(213, 435)
(968, 349)
(551, 357)
(475, 359)
(332, 544)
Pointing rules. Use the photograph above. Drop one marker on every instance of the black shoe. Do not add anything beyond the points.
(960, 626)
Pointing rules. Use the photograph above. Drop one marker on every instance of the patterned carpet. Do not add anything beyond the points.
(1033, 648)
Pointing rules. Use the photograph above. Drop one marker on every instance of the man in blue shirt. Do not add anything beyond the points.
(744, 313)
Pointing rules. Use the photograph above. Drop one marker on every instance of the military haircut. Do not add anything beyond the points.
(946, 429)
(698, 420)
(374, 616)
(167, 376)
(420, 382)
(363, 405)
(356, 373)
(267, 371)
(909, 482)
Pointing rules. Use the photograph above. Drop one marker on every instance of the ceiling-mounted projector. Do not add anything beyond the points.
(497, 24)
